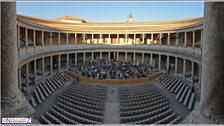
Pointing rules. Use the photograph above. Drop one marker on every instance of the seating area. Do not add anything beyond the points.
(77, 104)
(145, 104)
(44, 88)
(184, 93)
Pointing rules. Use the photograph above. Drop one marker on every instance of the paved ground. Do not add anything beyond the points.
(112, 106)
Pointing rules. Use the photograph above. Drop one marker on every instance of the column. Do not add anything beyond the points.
(184, 68)
(117, 56)
(200, 75)
(143, 38)
(12, 101)
(34, 38)
(176, 63)
(193, 38)
(26, 37)
(27, 75)
(75, 38)
(84, 57)
(185, 39)
(92, 56)
(134, 56)
(67, 35)
(43, 68)
(126, 56)
(92, 37)
(134, 38)
(59, 63)
(160, 38)
(67, 61)
(18, 37)
(159, 62)
(109, 39)
(76, 59)
(83, 38)
(177, 38)
(143, 58)
(167, 62)
(50, 35)
(35, 70)
(192, 71)
(100, 55)
(151, 59)
(151, 37)
(168, 39)
(19, 78)
(201, 44)
(108, 55)
(126, 39)
(51, 64)
(42, 38)
(117, 38)
(59, 38)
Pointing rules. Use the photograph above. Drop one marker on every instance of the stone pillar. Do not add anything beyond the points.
(117, 38)
(50, 35)
(67, 39)
(35, 71)
(34, 38)
(185, 39)
(42, 38)
(134, 38)
(126, 56)
(92, 56)
(13, 103)
(184, 68)
(152, 38)
(26, 37)
(126, 39)
(117, 56)
(19, 79)
(134, 56)
(59, 63)
(160, 38)
(143, 38)
(59, 38)
(92, 37)
(168, 43)
(193, 38)
(27, 75)
(18, 37)
(100, 55)
(177, 39)
(43, 67)
(143, 58)
(176, 63)
(67, 61)
(192, 71)
(76, 61)
(201, 44)
(167, 62)
(108, 55)
(159, 62)
(51, 64)
(75, 38)
(84, 57)
(151, 59)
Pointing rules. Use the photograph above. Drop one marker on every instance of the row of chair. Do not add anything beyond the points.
(184, 93)
(73, 106)
(148, 105)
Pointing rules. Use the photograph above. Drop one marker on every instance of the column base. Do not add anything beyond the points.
(17, 107)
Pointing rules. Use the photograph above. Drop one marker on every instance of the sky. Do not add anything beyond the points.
(113, 11)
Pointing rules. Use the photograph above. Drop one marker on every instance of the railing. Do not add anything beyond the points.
(195, 53)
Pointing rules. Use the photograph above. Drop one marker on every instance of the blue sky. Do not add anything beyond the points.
(113, 11)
